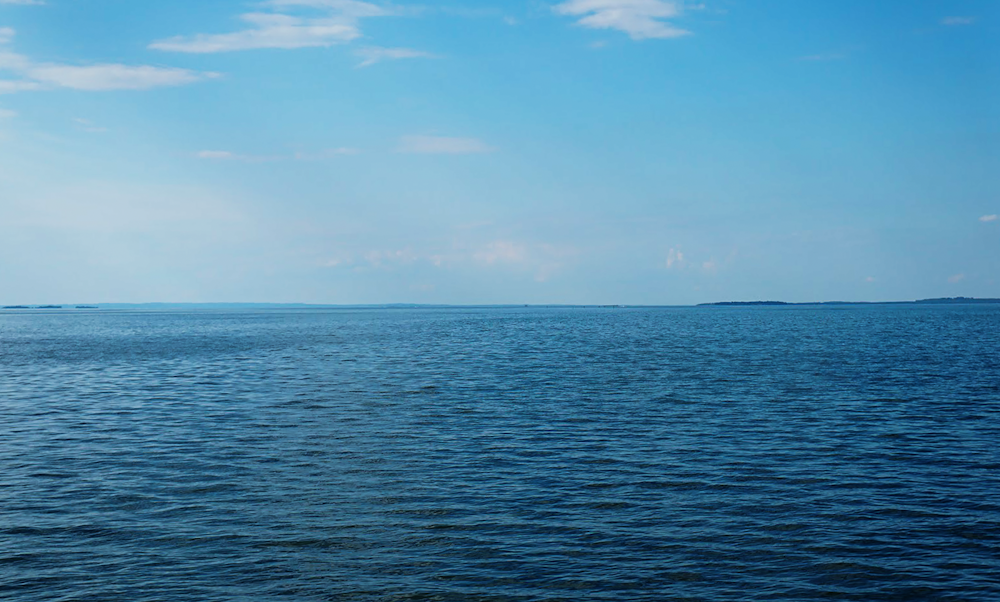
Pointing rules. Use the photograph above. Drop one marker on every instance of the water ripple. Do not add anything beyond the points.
(507, 455)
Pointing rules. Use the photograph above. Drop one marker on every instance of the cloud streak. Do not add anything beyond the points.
(112, 76)
(223, 155)
(441, 145)
(283, 31)
(268, 31)
(99, 77)
(989, 218)
(373, 55)
(640, 19)
(12, 86)
(954, 21)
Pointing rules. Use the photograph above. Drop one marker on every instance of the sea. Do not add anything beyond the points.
(501, 454)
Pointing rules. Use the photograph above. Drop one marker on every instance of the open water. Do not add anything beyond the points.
(501, 454)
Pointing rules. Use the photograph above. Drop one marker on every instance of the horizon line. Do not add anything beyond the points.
(390, 305)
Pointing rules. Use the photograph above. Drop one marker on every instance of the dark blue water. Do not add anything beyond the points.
(502, 454)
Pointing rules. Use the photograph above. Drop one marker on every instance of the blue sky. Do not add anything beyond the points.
(563, 151)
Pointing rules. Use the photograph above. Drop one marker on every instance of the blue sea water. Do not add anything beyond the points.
(515, 454)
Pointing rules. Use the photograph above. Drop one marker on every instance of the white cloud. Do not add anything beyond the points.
(349, 8)
(222, 155)
(675, 258)
(952, 21)
(329, 153)
(956, 278)
(23, 2)
(270, 31)
(502, 251)
(374, 54)
(710, 266)
(640, 19)
(544, 260)
(11, 86)
(871, 279)
(441, 145)
(219, 155)
(540, 261)
(278, 30)
(112, 76)
(108, 76)
(389, 258)
(989, 218)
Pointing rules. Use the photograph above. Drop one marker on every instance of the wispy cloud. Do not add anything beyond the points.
(953, 21)
(640, 19)
(223, 155)
(349, 8)
(956, 278)
(23, 2)
(89, 126)
(269, 31)
(501, 251)
(386, 258)
(374, 54)
(7, 114)
(6, 35)
(278, 30)
(99, 77)
(989, 218)
(11, 86)
(675, 258)
(441, 145)
(542, 261)
(329, 153)
(112, 76)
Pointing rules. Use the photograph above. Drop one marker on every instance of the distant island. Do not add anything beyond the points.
(32, 307)
(938, 301)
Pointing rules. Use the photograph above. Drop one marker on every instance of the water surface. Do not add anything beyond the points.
(501, 454)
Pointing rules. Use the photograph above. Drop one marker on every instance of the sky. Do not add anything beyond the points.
(515, 151)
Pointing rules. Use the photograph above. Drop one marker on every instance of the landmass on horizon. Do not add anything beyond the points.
(937, 301)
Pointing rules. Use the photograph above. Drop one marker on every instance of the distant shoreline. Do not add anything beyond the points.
(938, 301)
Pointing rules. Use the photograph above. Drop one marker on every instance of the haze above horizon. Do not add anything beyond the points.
(558, 152)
